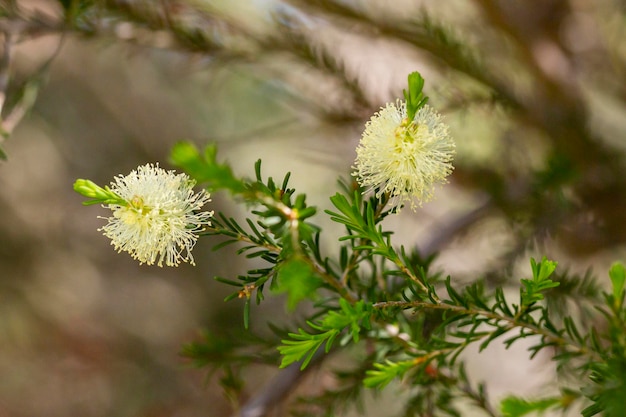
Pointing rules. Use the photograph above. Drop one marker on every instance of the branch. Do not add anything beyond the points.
(512, 322)
(5, 61)
(275, 391)
(423, 34)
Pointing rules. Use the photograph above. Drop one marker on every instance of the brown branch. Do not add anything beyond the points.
(5, 61)
(224, 38)
(278, 388)
(29, 27)
(423, 34)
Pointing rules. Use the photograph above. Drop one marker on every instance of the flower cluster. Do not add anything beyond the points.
(156, 220)
(404, 158)
(405, 150)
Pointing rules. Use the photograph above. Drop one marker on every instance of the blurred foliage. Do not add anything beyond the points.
(546, 69)
(537, 86)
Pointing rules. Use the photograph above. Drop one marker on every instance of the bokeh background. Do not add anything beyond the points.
(534, 92)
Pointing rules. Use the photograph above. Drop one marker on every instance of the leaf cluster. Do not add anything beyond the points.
(278, 235)
(386, 301)
(304, 345)
(608, 375)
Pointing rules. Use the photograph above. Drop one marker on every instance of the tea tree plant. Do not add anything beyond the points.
(406, 321)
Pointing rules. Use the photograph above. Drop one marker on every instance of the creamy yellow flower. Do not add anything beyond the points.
(404, 158)
(159, 222)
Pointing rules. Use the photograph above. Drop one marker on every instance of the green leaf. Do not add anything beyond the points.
(353, 315)
(298, 280)
(532, 289)
(303, 346)
(542, 270)
(518, 407)
(386, 372)
(205, 168)
(618, 279)
(362, 225)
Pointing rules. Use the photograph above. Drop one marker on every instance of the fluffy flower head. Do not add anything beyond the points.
(158, 222)
(404, 158)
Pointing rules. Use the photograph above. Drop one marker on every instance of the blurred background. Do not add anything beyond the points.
(534, 92)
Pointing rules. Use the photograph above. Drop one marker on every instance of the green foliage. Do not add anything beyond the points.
(227, 353)
(374, 294)
(360, 225)
(617, 273)
(577, 291)
(609, 388)
(79, 14)
(305, 345)
(381, 298)
(361, 219)
(204, 167)
(518, 407)
(279, 234)
(471, 317)
(230, 347)
(298, 280)
(384, 300)
(384, 373)
(533, 289)
(608, 375)
(284, 214)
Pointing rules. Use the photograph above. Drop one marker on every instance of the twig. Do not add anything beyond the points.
(275, 391)
(423, 34)
(5, 61)
(19, 110)
(30, 26)
(14, 28)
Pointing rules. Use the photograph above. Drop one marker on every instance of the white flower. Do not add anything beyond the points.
(404, 158)
(159, 222)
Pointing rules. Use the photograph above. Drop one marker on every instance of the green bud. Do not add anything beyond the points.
(415, 98)
(86, 188)
(98, 194)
